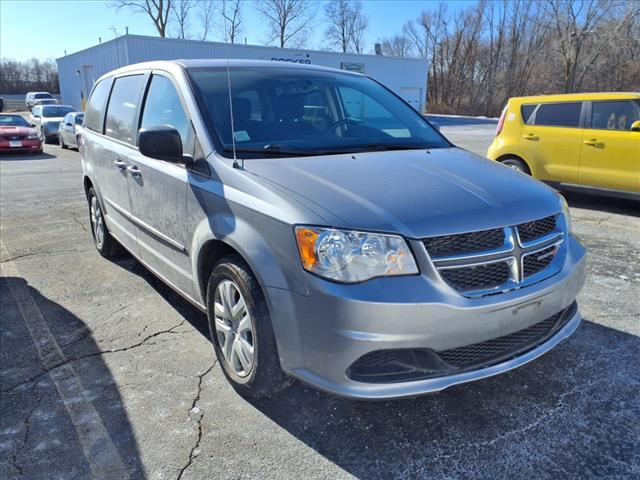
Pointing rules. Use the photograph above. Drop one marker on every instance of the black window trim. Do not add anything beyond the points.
(109, 81)
(581, 120)
(587, 124)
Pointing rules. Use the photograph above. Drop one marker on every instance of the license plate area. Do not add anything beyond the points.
(15, 143)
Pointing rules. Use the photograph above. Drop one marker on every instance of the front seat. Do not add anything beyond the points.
(291, 115)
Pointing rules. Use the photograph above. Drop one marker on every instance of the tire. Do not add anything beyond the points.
(63, 145)
(232, 335)
(517, 164)
(106, 245)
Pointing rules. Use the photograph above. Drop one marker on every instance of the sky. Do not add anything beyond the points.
(48, 28)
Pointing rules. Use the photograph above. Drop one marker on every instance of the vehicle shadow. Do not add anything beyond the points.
(487, 428)
(605, 204)
(55, 421)
(9, 157)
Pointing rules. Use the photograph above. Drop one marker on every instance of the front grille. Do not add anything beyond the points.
(465, 242)
(13, 137)
(478, 277)
(536, 229)
(478, 352)
(536, 262)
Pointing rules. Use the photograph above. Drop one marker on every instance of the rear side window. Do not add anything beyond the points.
(614, 115)
(96, 105)
(163, 107)
(526, 111)
(559, 114)
(123, 107)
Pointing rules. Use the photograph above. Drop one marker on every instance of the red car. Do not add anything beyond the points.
(16, 135)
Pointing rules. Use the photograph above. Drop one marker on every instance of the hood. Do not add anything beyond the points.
(415, 193)
(21, 131)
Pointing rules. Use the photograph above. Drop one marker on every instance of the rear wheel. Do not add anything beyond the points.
(517, 164)
(106, 245)
(241, 330)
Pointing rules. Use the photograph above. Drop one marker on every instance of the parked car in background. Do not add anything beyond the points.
(352, 247)
(67, 131)
(47, 118)
(39, 98)
(586, 141)
(16, 135)
(1, 104)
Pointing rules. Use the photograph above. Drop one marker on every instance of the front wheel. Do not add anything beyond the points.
(106, 245)
(63, 145)
(241, 330)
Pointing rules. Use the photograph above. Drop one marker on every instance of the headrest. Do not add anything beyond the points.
(291, 107)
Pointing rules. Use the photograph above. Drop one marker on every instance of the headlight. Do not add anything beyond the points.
(33, 136)
(348, 256)
(565, 213)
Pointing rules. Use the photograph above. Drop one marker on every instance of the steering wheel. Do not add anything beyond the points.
(344, 121)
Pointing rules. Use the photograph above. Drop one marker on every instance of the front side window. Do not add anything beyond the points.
(614, 115)
(565, 114)
(123, 107)
(96, 106)
(163, 107)
(307, 112)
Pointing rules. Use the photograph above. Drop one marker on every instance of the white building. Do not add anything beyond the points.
(77, 72)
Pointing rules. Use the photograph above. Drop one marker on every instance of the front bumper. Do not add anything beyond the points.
(322, 334)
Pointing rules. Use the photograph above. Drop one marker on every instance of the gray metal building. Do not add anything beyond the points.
(78, 71)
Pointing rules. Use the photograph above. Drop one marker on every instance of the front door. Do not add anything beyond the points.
(610, 150)
(551, 140)
(158, 191)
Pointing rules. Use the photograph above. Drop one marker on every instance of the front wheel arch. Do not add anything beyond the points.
(503, 158)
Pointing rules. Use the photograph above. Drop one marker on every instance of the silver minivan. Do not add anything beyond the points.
(330, 233)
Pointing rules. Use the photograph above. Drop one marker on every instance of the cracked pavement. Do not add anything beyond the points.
(138, 359)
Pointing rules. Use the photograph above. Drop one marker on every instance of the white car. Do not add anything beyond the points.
(39, 98)
(47, 118)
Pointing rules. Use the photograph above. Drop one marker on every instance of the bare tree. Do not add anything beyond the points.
(575, 24)
(158, 10)
(340, 17)
(359, 26)
(207, 15)
(289, 20)
(181, 10)
(397, 46)
(232, 15)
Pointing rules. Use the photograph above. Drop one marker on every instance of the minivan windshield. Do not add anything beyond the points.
(278, 111)
(56, 111)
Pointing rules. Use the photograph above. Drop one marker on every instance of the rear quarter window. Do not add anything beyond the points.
(527, 111)
(97, 103)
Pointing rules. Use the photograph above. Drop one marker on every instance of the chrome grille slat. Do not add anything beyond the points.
(496, 260)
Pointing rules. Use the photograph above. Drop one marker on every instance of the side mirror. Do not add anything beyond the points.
(635, 126)
(161, 142)
(69, 124)
(32, 125)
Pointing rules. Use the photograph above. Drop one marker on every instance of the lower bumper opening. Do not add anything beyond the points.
(401, 365)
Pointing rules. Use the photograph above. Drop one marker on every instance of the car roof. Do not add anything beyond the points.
(212, 63)
(567, 97)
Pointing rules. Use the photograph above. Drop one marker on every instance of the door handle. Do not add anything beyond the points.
(531, 136)
(594, 143)
(134, 170)
(120, 164)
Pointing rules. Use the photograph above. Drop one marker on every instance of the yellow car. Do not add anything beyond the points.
(576, 141)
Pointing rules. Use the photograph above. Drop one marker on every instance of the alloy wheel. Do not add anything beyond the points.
(97, 222)
(234, 328)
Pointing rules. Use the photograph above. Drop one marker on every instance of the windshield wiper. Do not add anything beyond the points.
(274, 149)
(392, 146)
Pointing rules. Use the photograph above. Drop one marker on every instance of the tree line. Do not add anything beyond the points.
(28, 76)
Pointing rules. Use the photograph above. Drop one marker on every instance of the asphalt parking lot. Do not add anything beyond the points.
(108, 374)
